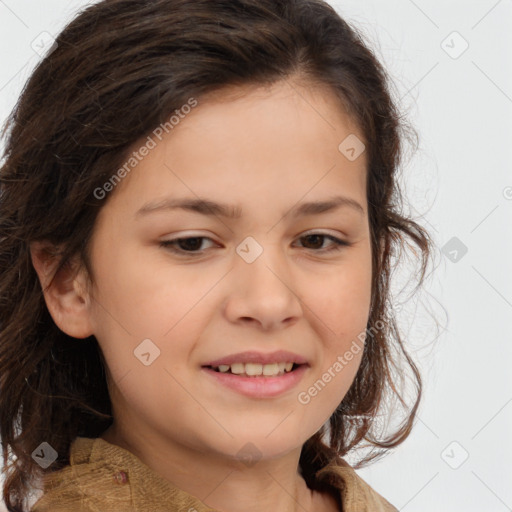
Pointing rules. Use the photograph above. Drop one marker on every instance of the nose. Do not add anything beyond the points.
(263, 293)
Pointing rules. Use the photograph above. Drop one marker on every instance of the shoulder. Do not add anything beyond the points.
(103, 477)
(355, 494)
(86, 485)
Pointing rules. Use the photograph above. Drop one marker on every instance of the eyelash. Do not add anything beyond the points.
(170, 244)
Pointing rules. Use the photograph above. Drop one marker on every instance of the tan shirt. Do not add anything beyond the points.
(103, 477)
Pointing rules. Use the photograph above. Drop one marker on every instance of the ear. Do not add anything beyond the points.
(67, 297)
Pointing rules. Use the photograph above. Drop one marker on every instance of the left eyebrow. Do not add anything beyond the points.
(212, 208)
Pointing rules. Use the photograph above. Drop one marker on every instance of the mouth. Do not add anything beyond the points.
(268, 370)
(258, 374)
(257, 380)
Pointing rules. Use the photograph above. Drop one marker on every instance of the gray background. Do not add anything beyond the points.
(459, 184)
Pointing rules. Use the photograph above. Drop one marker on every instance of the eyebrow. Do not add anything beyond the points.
(212, 208)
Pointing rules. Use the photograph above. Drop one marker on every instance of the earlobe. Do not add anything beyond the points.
(66, 295)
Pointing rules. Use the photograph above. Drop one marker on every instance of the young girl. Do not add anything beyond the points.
(198, 217)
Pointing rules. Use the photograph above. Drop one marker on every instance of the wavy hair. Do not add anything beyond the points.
(117, 71)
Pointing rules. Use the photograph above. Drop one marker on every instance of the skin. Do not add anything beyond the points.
(265, 150)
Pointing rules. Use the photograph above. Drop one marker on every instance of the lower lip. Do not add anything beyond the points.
(259, 387)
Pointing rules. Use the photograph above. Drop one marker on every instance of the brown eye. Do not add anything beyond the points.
(316, 240)
(186, 245)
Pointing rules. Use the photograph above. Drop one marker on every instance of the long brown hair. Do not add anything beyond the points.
(119, 70)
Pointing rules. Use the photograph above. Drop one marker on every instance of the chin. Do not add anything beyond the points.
(251, 449)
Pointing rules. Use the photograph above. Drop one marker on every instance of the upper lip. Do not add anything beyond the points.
(280, 356)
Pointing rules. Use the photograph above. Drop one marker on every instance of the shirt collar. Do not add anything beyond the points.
(105, 474)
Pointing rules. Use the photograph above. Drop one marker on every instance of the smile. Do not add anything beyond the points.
(257, 385)
(255, 369)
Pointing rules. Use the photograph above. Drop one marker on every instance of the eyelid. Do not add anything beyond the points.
(336, 245)
(320, 232)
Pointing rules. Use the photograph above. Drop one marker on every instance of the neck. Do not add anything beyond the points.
(223, 483)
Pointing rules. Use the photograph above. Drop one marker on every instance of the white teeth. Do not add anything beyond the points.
(238, 368)
(253, 369)
(271, 369)
(256, 369)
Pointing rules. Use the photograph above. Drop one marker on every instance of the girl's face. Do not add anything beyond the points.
(268, 280)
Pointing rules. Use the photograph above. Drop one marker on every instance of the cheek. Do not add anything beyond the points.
(341, 301)
(143, 296)
(339, 311)
(143, 314)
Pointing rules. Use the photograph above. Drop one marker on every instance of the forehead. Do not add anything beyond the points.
(311, 97)
(253, 141)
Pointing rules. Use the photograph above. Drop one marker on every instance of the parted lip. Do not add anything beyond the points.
(251, 356)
